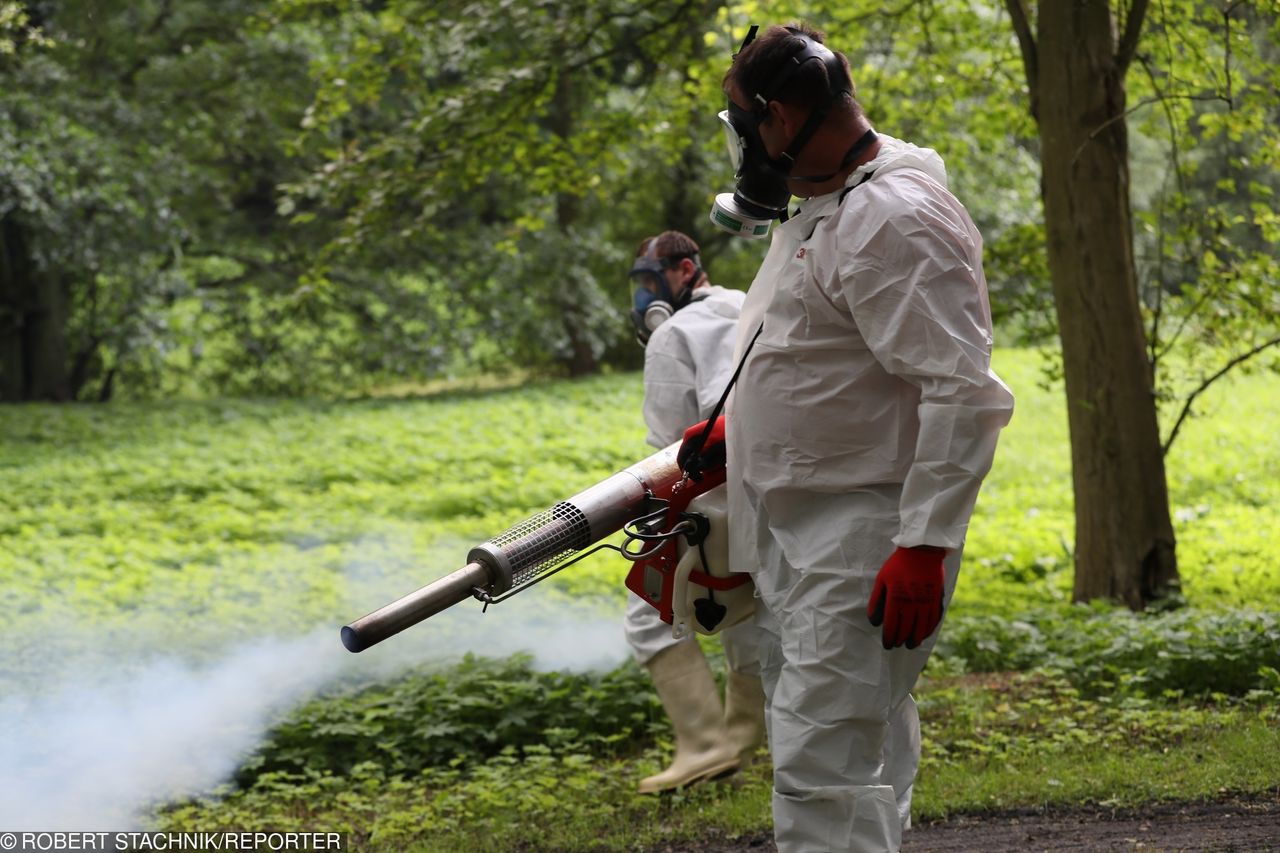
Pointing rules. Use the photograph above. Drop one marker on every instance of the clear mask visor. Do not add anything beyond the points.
(736, 144)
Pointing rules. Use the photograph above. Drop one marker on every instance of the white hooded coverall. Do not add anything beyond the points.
(866, 417)
(687, 364)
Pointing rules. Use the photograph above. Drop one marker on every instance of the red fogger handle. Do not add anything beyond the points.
(653, 577)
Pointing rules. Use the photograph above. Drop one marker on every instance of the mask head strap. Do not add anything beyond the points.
(646, 267)
(838, 85)
(671, 262)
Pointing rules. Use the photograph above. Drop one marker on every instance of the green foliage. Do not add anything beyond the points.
(17, 32)
(138, 158)
(1018, 553)
(284, 197)
(483, 147)
(1206, 221)
(171, 525)
(541, 800)
(176, 521)
(1003, 741)
(476, 176)
(1115, 652)
(459, 717)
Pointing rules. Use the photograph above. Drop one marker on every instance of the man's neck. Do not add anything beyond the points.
(830, 151)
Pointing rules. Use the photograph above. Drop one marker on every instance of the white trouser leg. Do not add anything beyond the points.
(742, 647)
(902, 755)
(646, 633)
(843, 729)
(830, 736)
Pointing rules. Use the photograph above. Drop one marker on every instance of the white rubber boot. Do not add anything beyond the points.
(692, 701)
(744, 714)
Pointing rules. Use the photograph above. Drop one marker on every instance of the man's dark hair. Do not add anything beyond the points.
(755, 70)
(676, 245)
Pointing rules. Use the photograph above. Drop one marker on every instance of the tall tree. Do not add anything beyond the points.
(33, 294)
(1075, 63)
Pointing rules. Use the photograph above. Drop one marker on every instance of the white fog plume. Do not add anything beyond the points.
(96, 750)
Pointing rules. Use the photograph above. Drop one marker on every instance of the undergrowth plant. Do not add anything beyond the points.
(1105, 651)
(460, 716)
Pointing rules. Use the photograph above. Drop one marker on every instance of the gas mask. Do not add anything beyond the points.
(760, 193)
(651, 307)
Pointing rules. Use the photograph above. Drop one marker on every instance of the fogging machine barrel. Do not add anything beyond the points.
(414, 607)
(528, 550)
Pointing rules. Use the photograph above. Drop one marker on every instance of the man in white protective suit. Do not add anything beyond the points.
(686, 325)
(858, 434)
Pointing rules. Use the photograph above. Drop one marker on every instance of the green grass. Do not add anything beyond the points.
(167, 525)
(1234, 754)
(219, 511)
(1027, 740)
(187, 529)
(1223, 492)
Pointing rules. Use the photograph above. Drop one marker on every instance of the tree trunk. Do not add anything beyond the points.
(1124, 537)
(33, 316)
(684, 207)
(581, 359)
(13, 265)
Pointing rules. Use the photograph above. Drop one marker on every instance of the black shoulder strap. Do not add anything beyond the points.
(843, 193)
(848, 190)
(691, 462)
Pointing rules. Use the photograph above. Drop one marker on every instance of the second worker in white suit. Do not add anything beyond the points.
(687, 327)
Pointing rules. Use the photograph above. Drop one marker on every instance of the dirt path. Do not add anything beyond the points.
(1235, 824)
(1244, 824)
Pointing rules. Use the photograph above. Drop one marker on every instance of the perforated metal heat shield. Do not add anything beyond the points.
(539, 543)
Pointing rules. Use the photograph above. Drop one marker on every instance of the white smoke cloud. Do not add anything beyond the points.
(95, 749)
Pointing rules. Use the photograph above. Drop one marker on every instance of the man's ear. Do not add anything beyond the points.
(784, 115)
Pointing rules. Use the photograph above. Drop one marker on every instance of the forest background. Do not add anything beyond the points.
(329, 197)
(250, 228)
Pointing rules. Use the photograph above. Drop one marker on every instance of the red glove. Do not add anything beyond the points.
(696, 457)
(907, 596)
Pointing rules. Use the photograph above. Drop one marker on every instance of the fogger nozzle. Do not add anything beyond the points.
(529, 550)
(414, 607)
